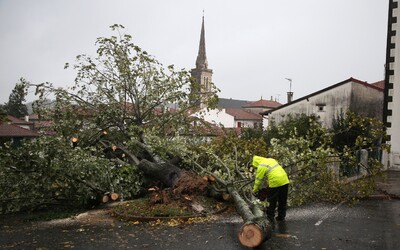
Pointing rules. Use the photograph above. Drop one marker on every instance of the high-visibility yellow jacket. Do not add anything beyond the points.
(268, 168)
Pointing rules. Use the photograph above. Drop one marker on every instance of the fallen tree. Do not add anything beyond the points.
(256, 228)
(127, 92)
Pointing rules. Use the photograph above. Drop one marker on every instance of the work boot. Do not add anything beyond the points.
(271, 220)
(282, 228)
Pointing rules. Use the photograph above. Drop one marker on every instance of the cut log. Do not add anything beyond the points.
(114, 196)
(251, 235)
(257, 228)
(105, 198)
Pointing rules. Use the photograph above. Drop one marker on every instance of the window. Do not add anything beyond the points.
(321, 107)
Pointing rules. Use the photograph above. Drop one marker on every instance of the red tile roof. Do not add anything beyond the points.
(10, 130)
(15, 120)
(379, 84)
(240, 114)
(263, 104)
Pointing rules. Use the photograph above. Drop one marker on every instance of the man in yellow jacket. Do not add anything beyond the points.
(278, 185)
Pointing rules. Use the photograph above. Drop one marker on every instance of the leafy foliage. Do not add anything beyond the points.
(15, 106)
(356, 132)
(49, 171)
(3, 114)
(121, 97)
(125, 97)
(126, 90)
(305, 149)
(352, 133)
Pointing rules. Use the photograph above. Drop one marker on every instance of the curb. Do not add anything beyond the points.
(377, 197)
(391, 196)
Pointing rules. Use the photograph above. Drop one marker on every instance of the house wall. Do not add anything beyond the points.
(217, 117)
(325, 105)
(245, 124)
(255, 110)
(366, 101)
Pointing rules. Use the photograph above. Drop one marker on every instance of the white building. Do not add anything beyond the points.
(230, 118)
(349, 95)
(391, 111)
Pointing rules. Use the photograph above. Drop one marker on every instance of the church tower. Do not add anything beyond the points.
(202, 74)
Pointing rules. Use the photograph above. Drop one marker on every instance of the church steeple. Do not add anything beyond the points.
(201, 61)
(202, 74)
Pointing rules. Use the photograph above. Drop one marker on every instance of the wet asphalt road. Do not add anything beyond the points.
(367, 225)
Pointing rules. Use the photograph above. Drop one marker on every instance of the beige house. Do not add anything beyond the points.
(349, 95)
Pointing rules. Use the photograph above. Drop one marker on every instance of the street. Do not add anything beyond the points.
(370, 224)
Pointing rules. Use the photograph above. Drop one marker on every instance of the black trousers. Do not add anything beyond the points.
(278, 196)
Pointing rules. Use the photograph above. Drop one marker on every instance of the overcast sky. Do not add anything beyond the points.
(252, 46)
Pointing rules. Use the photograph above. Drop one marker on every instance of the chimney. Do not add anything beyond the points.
(289, 97)
(27, 118)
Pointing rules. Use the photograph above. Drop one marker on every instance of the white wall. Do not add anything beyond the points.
(217, 117)
(332, 102)
(245, 123)
(393, 158)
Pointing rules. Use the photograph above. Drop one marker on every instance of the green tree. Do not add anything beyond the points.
(124, 90)
(122, 97)
(15, 106)
(351, 133)
(3, 114)
(300, 125)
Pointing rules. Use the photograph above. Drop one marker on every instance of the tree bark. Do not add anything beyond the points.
(256, 228)
(166, 173)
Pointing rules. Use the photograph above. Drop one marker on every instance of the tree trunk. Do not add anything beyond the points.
(166, 173)
(256, 228)
(114, 196)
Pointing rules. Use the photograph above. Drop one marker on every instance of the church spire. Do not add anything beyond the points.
(202, 74)
(201, 61)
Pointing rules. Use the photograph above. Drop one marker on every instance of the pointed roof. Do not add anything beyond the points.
(10, 130)
(14, 120)
(351, 79)
(263, 104)
(231, 103)
(201, 61)
(379, 84)
(240, 114)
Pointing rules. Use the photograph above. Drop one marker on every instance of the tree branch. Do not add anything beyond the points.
(224, 165)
